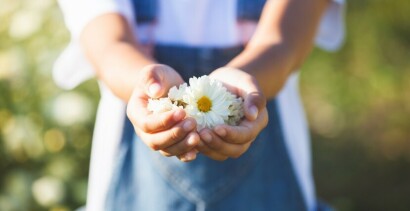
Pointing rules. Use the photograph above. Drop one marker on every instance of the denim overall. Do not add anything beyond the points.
(261, 179)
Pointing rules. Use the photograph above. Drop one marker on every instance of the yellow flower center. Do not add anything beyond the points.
(204, 104)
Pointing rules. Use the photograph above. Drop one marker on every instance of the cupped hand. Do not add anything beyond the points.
(171, 133)
(225, 141)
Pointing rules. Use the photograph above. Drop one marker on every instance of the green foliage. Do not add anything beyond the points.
(358, 105)
(356, 99)
(44, 155)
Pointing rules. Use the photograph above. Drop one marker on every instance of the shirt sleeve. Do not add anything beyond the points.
(331, 32)
(72, 67)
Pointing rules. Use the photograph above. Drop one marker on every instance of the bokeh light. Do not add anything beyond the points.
(357, 101)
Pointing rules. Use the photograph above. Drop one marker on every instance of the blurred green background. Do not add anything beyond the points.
(357, 100)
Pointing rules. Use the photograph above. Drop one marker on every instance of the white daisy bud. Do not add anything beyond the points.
(160, 105)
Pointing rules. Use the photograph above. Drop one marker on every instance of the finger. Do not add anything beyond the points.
(164, 139)
(154, 82)
(236, 134)
(214, 142)
(139, 115)
(248, 89)
(163, 121)
(206, 150)
(182, 147)
(245, 132)
(158, 79)
(254, 100)
(189, 156)
(253, 103)
(151, 123)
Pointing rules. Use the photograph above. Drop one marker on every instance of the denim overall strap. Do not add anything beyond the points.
(146, 10)
(249, 9)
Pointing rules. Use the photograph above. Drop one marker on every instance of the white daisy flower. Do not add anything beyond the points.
(160, 105)
(208, 102)
(177, 94)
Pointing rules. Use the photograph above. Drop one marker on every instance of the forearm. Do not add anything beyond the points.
(283, 39)
(110, 46)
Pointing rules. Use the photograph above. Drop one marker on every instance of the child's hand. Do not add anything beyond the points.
(232, 141)
(170, 132)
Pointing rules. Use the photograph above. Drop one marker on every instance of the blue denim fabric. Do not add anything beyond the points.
(146, 10)
(249, 9)
(193, 61)
(261, 179)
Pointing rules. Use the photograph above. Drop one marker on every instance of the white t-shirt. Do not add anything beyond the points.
(172, 27)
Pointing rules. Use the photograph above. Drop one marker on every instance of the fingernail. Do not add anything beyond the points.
(178, 115)
(191, 140)
(154, 89)
(253, 111)
(207, 137)
(189, 156)
(220, 131)
(188, 125)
